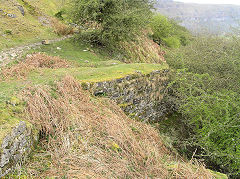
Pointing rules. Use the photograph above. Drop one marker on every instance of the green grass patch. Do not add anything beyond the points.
(86, 74)
(10, 116)
(83, 55)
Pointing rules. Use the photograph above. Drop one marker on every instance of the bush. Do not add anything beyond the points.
(213, 116)
(113, 20)
(60, 14)
(60, 28)
(168, 32)
(205, 89)
(218, 57)
(161, 27)
(172, 42)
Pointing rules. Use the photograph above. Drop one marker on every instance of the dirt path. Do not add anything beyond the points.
(8, 55)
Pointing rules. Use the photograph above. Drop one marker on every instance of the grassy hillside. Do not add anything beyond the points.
(105, 142)
(33, 26)
(81, 135)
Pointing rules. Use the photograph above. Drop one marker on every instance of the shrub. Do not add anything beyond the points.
(161, 27)
(59, 14)
(60, 28)
(205, 89)
(113, 20)
(168, 32)
(213, 116)
(218, 57)
(172, 42)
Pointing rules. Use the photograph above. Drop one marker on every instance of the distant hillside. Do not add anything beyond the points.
(217, 19)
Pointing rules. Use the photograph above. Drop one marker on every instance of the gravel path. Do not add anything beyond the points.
(8, 55)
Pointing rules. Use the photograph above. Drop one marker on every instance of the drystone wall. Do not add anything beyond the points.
(15, 146)
(139, 95)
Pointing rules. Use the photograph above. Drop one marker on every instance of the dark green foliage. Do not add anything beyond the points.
(172, 42)
(111, 21)
(168, 32)
(60, 14)
(206, 92)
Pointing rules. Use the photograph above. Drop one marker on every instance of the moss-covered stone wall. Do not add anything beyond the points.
(139, 95)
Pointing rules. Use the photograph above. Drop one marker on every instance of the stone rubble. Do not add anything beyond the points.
(14, 147)
(16, 53)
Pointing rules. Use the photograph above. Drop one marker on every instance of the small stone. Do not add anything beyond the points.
(45, 42)
(85, 50)
(58, 48)
(12, 15)
(86, 61)
(13, 55)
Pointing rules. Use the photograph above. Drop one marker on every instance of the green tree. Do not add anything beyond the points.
(111, 21)
(168, 32)
(161, 27)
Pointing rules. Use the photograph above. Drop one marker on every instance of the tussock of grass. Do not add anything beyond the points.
(89, 137)
(60, 28)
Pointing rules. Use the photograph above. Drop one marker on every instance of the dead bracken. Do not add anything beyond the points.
(32, 62)
(85, 136)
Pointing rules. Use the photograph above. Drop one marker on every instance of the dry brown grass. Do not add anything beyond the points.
(143, 50)
(34, 61)
(89, 137)
(60, 28)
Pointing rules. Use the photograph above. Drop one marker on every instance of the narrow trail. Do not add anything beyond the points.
(14, 53)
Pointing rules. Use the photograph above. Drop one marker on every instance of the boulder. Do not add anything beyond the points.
(21, 10)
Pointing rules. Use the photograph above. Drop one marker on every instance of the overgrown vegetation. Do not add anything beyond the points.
(168, 32)
(112, 21)
(205, 89)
